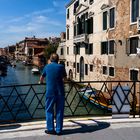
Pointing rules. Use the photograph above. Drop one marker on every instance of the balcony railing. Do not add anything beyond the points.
(81, 38)
(25, 102)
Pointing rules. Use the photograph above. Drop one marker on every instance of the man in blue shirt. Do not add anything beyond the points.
(55, 74)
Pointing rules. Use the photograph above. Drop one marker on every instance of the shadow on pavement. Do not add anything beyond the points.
(83, 128)
(11, 126)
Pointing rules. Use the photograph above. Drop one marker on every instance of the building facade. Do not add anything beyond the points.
(61, 48)
(102, 40)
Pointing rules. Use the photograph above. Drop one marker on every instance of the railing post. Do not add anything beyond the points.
(133, 103)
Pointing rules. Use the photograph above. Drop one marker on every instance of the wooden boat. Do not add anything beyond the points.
(100, 100)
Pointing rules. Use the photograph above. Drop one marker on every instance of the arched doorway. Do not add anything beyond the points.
(70, 74)
(81, 68)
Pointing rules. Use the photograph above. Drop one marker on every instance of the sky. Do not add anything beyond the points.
(28, 18)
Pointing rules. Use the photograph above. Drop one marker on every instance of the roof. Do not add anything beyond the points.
(36, 39)
(71, 2)
(36, 46)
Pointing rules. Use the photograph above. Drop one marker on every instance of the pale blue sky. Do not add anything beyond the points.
(26, 18)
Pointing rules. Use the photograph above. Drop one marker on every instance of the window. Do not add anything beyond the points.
(111, 71)
(76, 4)
(105, 70)
(105, 20)
(111, 47)
(112, 18)
(76, 50)
(104, 47)
(67, 33)
(134, 10)
(77, 67)
(90, 25)
(67, 13)
(61, 51)
(133, 45)
(74, 30)
(134, 75)
(86, 69)
(89, 49)
(78, 26)
(91, 67)
(83, 24)
(67, 63)
(67, 50)
(91, 1)
(74, 65)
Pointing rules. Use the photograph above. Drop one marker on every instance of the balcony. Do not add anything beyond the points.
(81, 38)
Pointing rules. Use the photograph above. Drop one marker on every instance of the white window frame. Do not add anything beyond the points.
(114, 17)
(108, 17)
(109, 73)
(132, 23)
(109, 47)
(138, 44)
(136, 69)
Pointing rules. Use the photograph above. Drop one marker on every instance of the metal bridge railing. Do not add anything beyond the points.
(25, 102)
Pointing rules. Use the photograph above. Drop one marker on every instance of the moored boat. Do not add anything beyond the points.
(35, 71)
(100, 100)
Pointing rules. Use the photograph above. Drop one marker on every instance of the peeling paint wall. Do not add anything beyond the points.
(123, 30)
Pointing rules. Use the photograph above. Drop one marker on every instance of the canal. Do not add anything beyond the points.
(20, 74)
(28, 101)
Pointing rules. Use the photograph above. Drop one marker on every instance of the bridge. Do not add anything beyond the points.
(27, 102)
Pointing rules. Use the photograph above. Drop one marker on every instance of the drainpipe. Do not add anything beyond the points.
(75, 60)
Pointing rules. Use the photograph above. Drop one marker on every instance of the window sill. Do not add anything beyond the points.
(111, 76)
(110, 29)
(133, 23)
(132, 55)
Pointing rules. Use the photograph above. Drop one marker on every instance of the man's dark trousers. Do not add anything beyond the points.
(57, 102)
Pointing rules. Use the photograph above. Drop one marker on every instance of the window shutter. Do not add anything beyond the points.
(86, 26)
(138, 43)
(105, 20)
(128, 46)
(107, 49)
(91, 25)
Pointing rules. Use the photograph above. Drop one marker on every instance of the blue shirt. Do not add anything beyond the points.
(54, 74)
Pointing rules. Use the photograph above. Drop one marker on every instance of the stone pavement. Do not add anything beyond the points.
(72, 126)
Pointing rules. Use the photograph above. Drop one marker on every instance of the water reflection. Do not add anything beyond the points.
(27, 102)
(19, 75)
